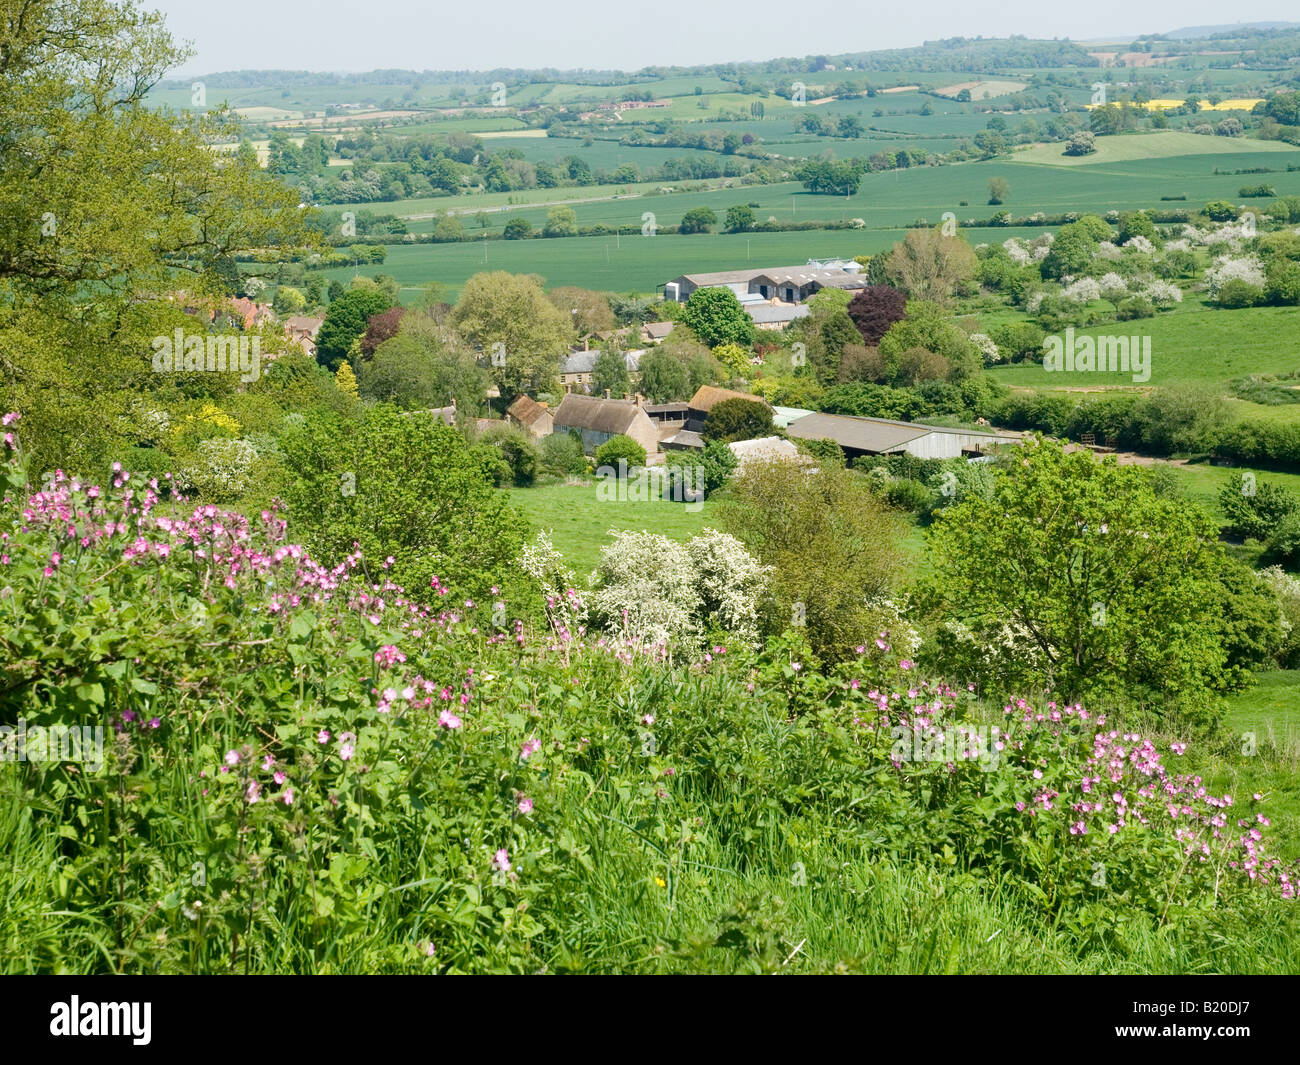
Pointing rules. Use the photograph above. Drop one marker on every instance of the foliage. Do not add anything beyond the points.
(620, 447)
(738, 419)
(716, 317)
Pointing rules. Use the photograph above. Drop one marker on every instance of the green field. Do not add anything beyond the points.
(580, 523)
(1192, 344)
(1142, 146)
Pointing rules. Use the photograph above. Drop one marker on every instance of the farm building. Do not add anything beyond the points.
(879, 436)
(765, 449)
(533, 417)
(668, 417)
(706, 398)
(790, 284)
(596, 420)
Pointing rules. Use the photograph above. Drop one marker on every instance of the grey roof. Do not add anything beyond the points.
(666, 408)
(769, 313)
(783, 416)
(861, 434)
(599, 415)
(657, 330)
(684, 438)
(585, 361)
(879, 435)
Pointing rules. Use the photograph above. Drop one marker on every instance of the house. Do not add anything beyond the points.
(683, 440)
(533, 417)
(248, 314)
(655, 332)
(706, 398)
(577, 368)
(880, 436)
(764, 449)
(298, 326)
(596, 420)
(775, 315)
(302, 329)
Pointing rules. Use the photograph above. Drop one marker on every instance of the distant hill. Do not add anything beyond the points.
(1190, 33)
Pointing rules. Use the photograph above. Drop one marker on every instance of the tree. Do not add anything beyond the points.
(874, 309)
(999, 190)
(588, 311)
(518, 229)
(1087, 583)
(424, 367)
(345, 322)
(288, 300)
(740, 218)
(561, 221)
(1136, 224)
(698, 220)
(926, 345)
(928, 265)
(517, 450)
(664, 377)
(346, 380)
(380, 327)
(716, 317)
(832, 546)
(610, 373)
(738, 419)
(1081, 143)
(1071, 252)
(509, 318)
(419, 494)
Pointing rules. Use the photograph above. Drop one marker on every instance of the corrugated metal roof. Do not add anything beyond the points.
(861, 434)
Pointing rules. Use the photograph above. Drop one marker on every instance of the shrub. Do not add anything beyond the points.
(561, 453)
(620, 447)
(1135, 307)
(518, 451)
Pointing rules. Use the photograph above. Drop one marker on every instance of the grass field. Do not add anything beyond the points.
(580, 523)
(1192, 344)
(1160, 145)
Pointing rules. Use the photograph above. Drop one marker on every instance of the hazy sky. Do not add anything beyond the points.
(616, 34)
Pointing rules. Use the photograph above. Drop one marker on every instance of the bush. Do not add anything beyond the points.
(518, 451)
(1135, 307)
(620, 447)
(561, 453)
(1254, 510)
(1237, 294)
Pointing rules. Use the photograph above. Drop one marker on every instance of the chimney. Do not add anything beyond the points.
(607, 393)
(640, 400)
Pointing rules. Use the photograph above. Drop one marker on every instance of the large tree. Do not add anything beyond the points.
(345, 322)
(517, 328)
(874, 309)
(929, 265)
(716, 317)
(108, 206)
(1075, 577)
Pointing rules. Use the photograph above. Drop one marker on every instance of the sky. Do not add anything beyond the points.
(360, 35)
